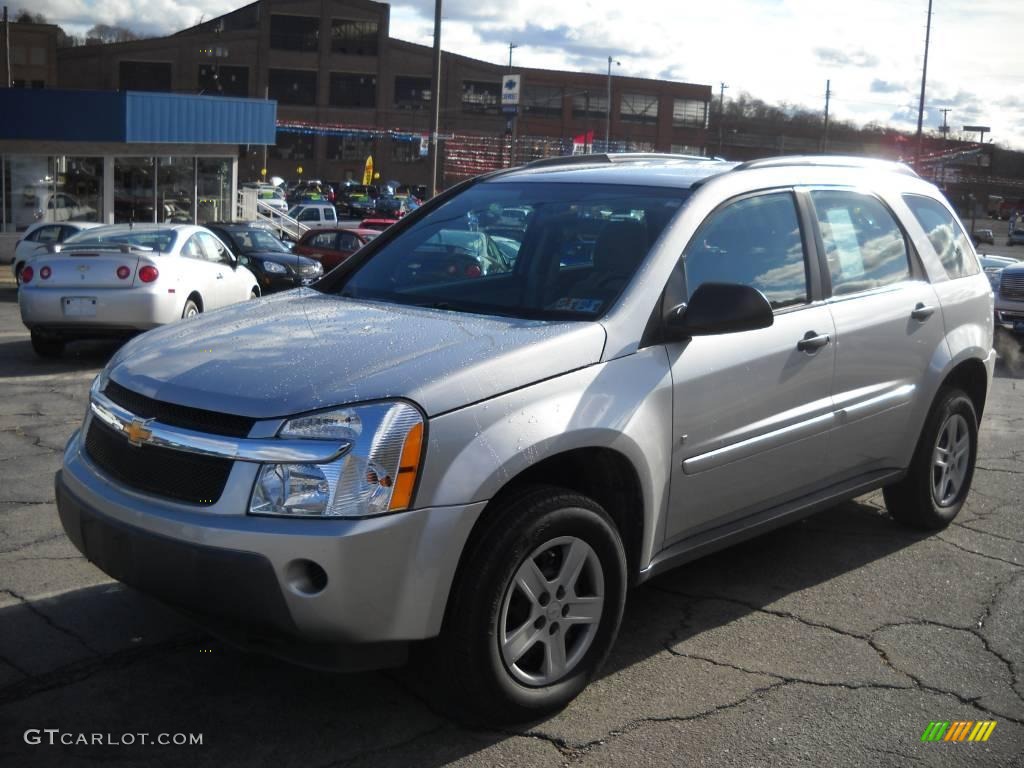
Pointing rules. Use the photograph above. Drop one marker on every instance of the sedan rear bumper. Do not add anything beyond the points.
(115, 309)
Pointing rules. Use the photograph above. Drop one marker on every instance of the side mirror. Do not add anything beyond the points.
(720, 308)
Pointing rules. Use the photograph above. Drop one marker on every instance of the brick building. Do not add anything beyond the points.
(33, 56)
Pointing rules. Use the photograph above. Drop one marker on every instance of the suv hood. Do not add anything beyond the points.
(303, 350)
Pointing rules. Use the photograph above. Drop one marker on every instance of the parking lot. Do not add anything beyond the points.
(835, 641)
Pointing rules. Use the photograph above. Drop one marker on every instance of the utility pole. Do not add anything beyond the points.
(828, 96)
(945, 124)
(7, 48)
(924, 80)
(608, 105)
(435, 148)
(514, 120)
(511, 47)
(721, 116)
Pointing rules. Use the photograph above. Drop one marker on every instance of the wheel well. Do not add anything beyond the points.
(604, 475)
(194, 296)
(972, 378)
(256, 289)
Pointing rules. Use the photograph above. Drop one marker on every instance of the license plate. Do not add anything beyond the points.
(79, 306)
(1018, 326)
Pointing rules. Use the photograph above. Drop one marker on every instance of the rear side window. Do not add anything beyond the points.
(323, 240)
(864, 245)
(945, 234)
(755, 241)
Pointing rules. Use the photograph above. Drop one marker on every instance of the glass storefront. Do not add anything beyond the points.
(179, 189)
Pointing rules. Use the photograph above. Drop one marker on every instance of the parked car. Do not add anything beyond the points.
(984, 236)
(488, 462)
(41, 235)
(377, 223)
(1016, 234)
(993, 266)
(330, 247)
(311, 192)
(391, 207)
(1009, 296)
(121, 279)
(271, 195)
(314, 215)
(357, 201)
(62, 207)
(276, 266)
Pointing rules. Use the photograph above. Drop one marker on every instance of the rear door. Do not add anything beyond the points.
(888, 329)
(232, 284)
(751, 410)
(201, 273)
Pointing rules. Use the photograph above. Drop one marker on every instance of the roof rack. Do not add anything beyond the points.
(827, 161)
(615, 157)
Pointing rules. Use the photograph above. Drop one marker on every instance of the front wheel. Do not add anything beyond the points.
(535, 611)
(939, 477)
(191, 309)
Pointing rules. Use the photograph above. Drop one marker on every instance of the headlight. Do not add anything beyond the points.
(375, 475)
(993, 276)
(273, 268)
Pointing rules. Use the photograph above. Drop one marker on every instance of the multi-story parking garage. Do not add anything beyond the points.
(345, 90)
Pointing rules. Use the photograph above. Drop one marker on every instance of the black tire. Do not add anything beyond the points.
(17, 272)
(914, 500)
(191, 309)
(47, 346)
(254, 294)
(471, 679)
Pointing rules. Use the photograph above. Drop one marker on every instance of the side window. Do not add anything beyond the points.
(309, 214)
(347, 242)
(192, 248)
(329, 214)
(47, 234)
(864, 245)
(946, 235)
(213, 249)
(323, 240)
(755, 241)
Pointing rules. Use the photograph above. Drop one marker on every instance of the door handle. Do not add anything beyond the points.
(922, 312)
(812, 342)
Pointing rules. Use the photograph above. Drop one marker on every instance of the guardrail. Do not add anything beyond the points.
(250, 208)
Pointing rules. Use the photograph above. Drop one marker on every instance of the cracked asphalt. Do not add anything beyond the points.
(833, 642)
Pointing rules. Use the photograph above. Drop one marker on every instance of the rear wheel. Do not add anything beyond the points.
(535, 610)
(191, 309)
(47, 346)
(254, 294)
(940, 474)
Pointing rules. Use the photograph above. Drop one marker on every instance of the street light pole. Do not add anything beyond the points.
(435, 148)
(608, 104)
(721, 117)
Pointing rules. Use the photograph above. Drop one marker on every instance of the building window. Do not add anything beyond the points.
(293, 86)
(405, 151)
(37, 57)
(481, 97)
(412, 92)
(639, 108)
(294, 33)
(134, 190)
(220, 80)
(542, 100)
(144, 76)
(18, 55)
(589, 104)
(213, 189)
(293, 146)
(689, 112)
(686, 149)
(348, 148)
(353, 90)
(355, 38)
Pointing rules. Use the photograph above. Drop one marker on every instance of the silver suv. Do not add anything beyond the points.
(669, 356)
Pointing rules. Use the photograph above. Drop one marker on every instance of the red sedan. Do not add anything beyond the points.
(332, 246)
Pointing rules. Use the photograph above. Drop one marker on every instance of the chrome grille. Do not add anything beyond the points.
(1011, 285)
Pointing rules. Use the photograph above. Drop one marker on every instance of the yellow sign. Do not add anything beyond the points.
(368, 170)
(263, 171)
(299, 170)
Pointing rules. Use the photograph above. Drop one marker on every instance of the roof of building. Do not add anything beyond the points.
(134, 117)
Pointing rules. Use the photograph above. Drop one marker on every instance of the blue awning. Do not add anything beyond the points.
(134, 117)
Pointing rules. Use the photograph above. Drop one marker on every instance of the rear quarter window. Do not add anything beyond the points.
(946, 236)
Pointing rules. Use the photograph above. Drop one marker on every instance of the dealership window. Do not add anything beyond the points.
(221, 80)
(639, 108)
(294, 33)
(348, 148)
(479, 96)
(589, 104)
(689, 112)
(293, 86)
(134, 191)
(50, 189)
(293, 146)
(412, 92)
(175, 188)
(542, 100)
(355, 38)
(405, 151)
(144, 76)
(213, 189)
(353, 90)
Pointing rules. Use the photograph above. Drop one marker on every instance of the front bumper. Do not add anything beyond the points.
(387, 578)
(1009, 314)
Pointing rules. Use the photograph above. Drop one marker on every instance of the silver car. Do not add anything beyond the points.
(682, 355)
(122, 279)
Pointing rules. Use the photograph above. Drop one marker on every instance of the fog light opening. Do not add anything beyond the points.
(305, 577)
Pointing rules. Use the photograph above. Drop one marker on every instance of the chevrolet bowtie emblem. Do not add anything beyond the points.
(137, 432)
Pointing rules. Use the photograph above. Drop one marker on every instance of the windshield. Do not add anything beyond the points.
(258, 240)
(531, 250)
(155, 239)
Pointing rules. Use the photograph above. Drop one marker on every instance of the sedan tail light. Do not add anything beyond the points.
(26, 275)
(124, 272)
(45, 273)
(148, 274)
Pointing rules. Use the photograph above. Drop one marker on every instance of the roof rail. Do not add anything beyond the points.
(827, 161)
(615, 157)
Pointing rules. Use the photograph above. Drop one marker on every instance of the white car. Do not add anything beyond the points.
(122, 279)
(41, 235)
(58, 207)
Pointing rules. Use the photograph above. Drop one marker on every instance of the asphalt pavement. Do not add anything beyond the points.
(833, 642)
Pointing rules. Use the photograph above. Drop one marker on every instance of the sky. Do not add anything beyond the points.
(775, 50)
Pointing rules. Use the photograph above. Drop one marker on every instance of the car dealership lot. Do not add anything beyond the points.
(835, 641)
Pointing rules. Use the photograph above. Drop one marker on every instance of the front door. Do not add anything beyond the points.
(751, 410)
